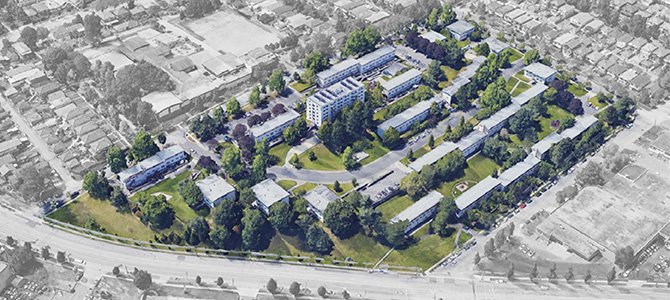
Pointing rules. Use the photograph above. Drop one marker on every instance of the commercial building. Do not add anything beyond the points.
(540, 72)
(460, 29)
(376, 58)
(268, 192)
(338, 72)
(318, 199)
(156, 165)
(214, 189)
(275, 127)
(401, 83)
(479, 191)
(419, 212)
(325, 104)
(164, 104)
(404, 120)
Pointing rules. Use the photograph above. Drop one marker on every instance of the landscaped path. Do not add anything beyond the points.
(367, 172)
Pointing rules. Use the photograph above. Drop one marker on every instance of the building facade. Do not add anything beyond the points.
(274, 128)
(158, 164)
(376, 58)
(460, 29)
(401, 83)
(325, 104)
(540, 72)
(338, 72)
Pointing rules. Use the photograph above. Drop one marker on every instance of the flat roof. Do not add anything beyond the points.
(496, 45)
(409, 113)
(433, 156)
(541, 70)
(470, 139)
(269, 192)
(400, 79)
(513, 173)
(150, 162)
(433, 36)
(274, 123)
(221, 64)
(460, 27)
(476, 192)
(320, 196)
(413, 211)
(531, 93)
(581, 125)
(544, 144)
(329, 94)
(214, 187)
(161, 101)
(500, 116)
(338, 68)
(135, 43)
(365, 59)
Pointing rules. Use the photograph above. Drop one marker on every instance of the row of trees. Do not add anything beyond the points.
(449, 167)
(206, 127)
(447, 53)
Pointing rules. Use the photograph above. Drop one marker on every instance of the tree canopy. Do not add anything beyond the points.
(361, 41)
(190, 192)
(157, 211)
(143, 146)
(340, 217)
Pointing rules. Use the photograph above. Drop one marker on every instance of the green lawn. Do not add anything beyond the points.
(463, 238)
(515, 55)
(280, 151)
(520, 76)
(463, 43)
(325, 160)
(450, 73)
(377, 150)
(287, 184)
(594, 101)
(424, 253)
(520, 88)
(393, 206)
(576, 90)
(554, 113)
(301, 86)
(386, 77)
(305, 187)
(380, 115)
(479, 167)
(511, 83)
(345, 187)
(169, 186)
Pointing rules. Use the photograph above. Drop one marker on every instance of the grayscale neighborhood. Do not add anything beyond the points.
(334, 149)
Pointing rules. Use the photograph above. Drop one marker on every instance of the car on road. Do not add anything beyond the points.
(523, 206)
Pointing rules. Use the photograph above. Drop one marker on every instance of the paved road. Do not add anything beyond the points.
(70, 183)
(100, 257)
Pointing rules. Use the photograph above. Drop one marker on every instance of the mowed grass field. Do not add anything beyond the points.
(325, 160)
(553, 113)
(393, 206)
(520, 88)
(516, 55)
(126, 224)
(479, 167)
(280, 151)
(426, 252)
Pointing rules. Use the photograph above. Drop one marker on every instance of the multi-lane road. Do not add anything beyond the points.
(99, 257)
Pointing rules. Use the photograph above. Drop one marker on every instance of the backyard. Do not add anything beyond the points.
(520, 88)
(394, 206)
(301, 86)
(450, 73)
(479, 167)
(286, 184)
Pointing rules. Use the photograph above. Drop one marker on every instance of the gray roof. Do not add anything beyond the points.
(460, 27)
(433, 156)
(427, 202)
(543, 145)
(540, 69)
(500, 116)
(279, 120)
(214, 187)
(150, 162)
(334, 91)
(433, 36)
(496, 45)
(269, 192)
(400, 79)
(337, 68)
(463, 78)
(365, 59)
(530, 93)
(476, 192)
(581, 125)
(470, 139)
(409, 113)
(513, 173)
(320, 196)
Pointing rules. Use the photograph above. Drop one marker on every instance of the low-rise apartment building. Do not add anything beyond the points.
(401, 83)
(156, 165)
(325, 104)
(460, 29)
(274, 128)
(338, 72)
(376, 58)
(318, 200)
(214, 189)
(540, 72)
(404, 120)
(419, 212)
(268, 192)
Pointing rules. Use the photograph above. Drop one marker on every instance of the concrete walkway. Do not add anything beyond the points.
(300, 149)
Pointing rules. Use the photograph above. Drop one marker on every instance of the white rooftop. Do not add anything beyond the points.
(161, 100)
(269, 192)
(409, 113)
(274, 123)
(320, 196)
(400, 79)
(433, 198)
(433, 36)
(530, 93)
(433, 156)
(214, 187)
(513, 173)
(476, 192)
(541, 70)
